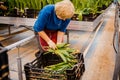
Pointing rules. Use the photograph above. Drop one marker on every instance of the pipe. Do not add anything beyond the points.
(17, 45)
(14, 45)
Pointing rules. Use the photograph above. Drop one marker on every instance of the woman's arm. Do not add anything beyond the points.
(43, 35)
(60, 36)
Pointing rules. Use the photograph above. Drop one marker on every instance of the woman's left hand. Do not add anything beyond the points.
(52, 44)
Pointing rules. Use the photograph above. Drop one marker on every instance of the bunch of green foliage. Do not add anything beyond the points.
(66, 54)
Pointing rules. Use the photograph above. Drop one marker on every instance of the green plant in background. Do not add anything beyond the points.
(16, 3)
(80, 17)
(33, 4)
(19, 4)
(86, 11)
(89, 6)
(81, 6)
(93, 5)
(55, 1)
(30, 4)
(50, 1)
(107, 2)
(38, 4)
(11, 5)
(44, 2)
(22, 5)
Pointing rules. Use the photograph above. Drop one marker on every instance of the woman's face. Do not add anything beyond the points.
(61, 17)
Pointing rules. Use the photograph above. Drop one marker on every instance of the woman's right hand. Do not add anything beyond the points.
(52, 44)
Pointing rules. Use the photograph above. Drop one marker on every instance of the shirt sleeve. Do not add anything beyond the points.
(64, 26)
(41, 21)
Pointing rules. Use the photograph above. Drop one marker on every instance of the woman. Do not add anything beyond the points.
(52, 22)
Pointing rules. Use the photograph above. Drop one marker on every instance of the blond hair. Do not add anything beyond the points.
(64, 9)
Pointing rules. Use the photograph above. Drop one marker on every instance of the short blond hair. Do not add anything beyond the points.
(64, 9)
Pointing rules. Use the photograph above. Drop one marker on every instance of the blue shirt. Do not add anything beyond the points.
(47, 19)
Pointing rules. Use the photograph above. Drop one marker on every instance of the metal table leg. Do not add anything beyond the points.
(19, 63)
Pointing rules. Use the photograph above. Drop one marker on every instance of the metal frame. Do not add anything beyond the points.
(17, 45)
(116, 44)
